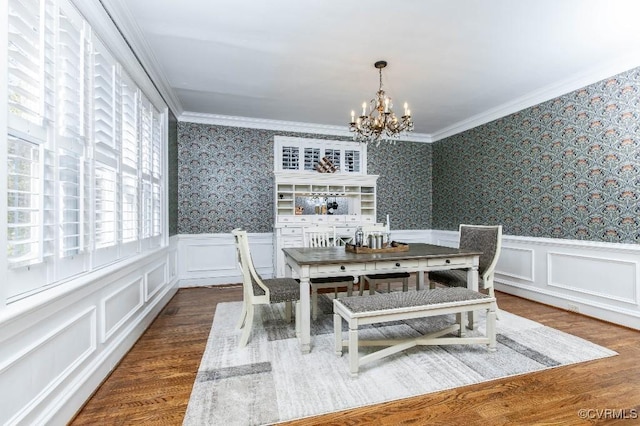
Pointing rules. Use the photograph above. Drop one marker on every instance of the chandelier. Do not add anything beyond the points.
(380, 122)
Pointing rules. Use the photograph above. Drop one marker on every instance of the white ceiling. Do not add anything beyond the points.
(456, 62)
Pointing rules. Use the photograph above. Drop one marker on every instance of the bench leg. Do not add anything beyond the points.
(459, 322)
(337, 332)
(470, 320)
(491, 327)
(353, 350)
(287, 311)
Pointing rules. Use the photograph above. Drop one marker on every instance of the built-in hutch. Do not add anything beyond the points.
(345, 198)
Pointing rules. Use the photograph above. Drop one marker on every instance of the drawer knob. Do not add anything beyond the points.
(398, 264)
(447, 261)
(342, 268)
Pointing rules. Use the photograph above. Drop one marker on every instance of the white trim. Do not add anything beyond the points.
(541, 95)
(552, 283)
(283, 126)
(107, 31)
(606, 312)
(120, 16)
(531, 274)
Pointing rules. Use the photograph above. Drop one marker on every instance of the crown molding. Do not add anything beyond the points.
(122, 18)
(546, 93)
(279, 125)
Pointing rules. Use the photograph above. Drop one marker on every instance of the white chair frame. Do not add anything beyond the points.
(489, 273)
(250, 299)
(324, 236)
(374, 280)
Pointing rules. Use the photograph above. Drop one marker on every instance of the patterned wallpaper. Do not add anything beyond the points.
(566, 168)
(225, 179)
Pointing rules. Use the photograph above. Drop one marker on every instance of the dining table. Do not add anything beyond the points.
(305, 263)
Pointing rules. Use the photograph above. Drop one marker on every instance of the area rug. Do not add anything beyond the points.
(270, 381)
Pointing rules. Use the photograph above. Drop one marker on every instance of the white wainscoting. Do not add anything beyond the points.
(210, 259)
(601, 280)
(55, 352)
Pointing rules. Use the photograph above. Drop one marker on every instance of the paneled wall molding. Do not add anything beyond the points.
(283, 126)
(521, 261)
(77, 336)
(209, 259)
(605, 284)
(598, 270)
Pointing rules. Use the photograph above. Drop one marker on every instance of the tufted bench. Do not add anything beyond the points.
(379, 308)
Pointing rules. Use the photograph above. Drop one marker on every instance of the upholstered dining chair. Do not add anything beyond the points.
(324, 236)
(373, 280)
(260, 291)
(484, 238)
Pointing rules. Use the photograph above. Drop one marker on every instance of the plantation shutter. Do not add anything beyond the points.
(70, 215)
(29, 30)
(156, 169)
(105, 148)
(146, 160)
(23, 202)
(72, 74)
(129, 160)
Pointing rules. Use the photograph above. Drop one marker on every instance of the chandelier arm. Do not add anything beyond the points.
(381, 122)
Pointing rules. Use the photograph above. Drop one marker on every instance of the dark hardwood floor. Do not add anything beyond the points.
(152, 384)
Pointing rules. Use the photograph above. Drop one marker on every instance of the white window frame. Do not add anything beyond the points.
(302, 144)
(50, 267)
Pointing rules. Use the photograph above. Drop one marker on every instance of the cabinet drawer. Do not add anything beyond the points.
(338, 268)
(448, 261)
(368, 219)
(346, 231)
(291, 231)
(352, 219)
(394, 264)
(335, 219)
(285, 219)
(303, 219)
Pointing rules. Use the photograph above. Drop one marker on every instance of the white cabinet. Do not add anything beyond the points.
(298, 183)
(356, 195)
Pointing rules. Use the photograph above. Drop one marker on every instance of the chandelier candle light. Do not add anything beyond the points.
(380, 123)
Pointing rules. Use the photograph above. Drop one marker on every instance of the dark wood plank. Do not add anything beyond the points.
(153, 382)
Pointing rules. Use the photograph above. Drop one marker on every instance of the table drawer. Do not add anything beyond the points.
(394, 264)
(292, 242)
(340, 268)
(448, 261)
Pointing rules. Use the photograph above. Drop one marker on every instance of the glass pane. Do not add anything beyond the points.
(290, 158)
(69, 203)
(105, 206)
(23, 202)
(311, 158)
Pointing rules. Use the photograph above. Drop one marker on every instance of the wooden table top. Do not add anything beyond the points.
(331, 255)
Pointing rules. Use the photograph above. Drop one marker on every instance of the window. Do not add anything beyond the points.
(23, 202)
(293, 154)
(84, 151)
